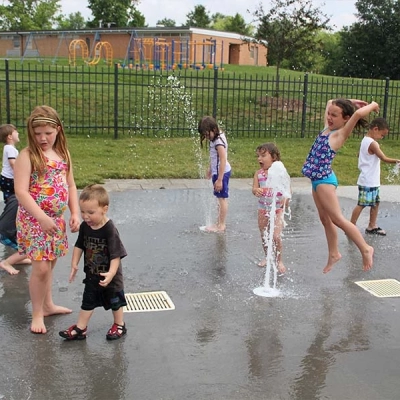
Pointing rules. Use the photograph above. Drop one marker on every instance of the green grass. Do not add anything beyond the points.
(96, 159)
(97, 156)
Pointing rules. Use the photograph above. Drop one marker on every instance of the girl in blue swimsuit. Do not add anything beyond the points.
(341, 117)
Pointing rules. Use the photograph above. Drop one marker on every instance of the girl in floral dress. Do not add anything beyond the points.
(45, 187)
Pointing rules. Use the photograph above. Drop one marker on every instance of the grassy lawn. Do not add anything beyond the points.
(96, 159)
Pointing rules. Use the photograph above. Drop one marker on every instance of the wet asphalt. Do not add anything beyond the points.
(324, 337)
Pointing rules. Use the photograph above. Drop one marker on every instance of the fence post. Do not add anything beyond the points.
(386, 99)
(8, 102)
(215, 91)
(115, 101)
(304, 108)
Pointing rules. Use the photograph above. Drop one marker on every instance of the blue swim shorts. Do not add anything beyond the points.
(224, 193)
(8, 242)
(330, 180)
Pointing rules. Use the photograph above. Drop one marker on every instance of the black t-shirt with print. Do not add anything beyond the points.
(100, 246)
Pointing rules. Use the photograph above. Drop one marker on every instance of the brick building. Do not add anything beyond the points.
(160, 46)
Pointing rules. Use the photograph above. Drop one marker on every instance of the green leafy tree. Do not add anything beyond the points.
(199, 17)
(234, 24)
(288, 28)
(72, 21)
(29, 14)
(137, 19)
(120, 13)
(166, 22)
(238, 25)
(370, 48)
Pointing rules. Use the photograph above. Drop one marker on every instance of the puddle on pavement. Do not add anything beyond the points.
(291, 347)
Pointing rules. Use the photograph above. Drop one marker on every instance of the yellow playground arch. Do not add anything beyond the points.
(108, 53)
(79, 44)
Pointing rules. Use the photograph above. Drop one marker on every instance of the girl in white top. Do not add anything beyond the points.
(8, 135)
(219, 170)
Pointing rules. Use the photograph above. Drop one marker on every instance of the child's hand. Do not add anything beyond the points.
(375, 106)
(108, 276)
(48, 225)
(72, 275)
(258, 192)
(359, 103)
(218, 185)
(74, 223)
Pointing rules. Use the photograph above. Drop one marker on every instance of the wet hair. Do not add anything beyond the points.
(207, 124)
(271, 148)
(5, 131)
(348, 109)
(43, 116)
(95, 192)
(379, 123)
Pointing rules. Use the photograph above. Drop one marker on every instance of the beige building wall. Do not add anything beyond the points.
(184, 46)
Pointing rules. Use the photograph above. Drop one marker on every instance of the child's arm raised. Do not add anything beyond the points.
(22, 176)
(338, 138)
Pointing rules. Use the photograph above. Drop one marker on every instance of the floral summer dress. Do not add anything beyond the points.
(50, 191)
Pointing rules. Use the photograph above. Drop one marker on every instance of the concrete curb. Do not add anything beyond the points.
(390, 193)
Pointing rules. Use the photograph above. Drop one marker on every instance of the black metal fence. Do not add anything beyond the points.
(127, 102)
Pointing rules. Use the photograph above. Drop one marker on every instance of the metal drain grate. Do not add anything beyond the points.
(148, 301)
(382, 287)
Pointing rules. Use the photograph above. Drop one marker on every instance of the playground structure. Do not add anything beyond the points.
(158, 53)
(79, 44)
(143, 48)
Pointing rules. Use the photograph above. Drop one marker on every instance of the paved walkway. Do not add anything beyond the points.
(389, 193)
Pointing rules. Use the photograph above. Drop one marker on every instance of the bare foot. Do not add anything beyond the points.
(332, 260)
(55, 310)
(262, 263)
(368, 258)
(214, 229)
(38, 326)
(281, 268)
(8, 267)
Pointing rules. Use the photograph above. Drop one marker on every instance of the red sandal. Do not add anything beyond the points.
(73, 333)
(116, 332)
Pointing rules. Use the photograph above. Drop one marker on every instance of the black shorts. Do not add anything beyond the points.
(7, 187)
(95, 296)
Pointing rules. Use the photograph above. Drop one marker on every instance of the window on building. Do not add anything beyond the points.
(16, 42)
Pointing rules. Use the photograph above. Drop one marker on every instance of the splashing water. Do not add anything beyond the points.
(394, 174)
(279, 181)
(179, 104)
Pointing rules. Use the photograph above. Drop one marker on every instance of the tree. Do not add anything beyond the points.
(166, 22)
(234, 24)
(238, 25)
(288, 28)
(72, 21)
(29, 14)
(116, 12)
(199, 17)
(137, 19)
(370, 48)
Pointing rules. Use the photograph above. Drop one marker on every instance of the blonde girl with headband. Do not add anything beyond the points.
(45, 187)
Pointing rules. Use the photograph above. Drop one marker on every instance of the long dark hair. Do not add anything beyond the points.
(348, 109)
(207, 124)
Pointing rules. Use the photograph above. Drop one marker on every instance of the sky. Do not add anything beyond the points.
(341, 11)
